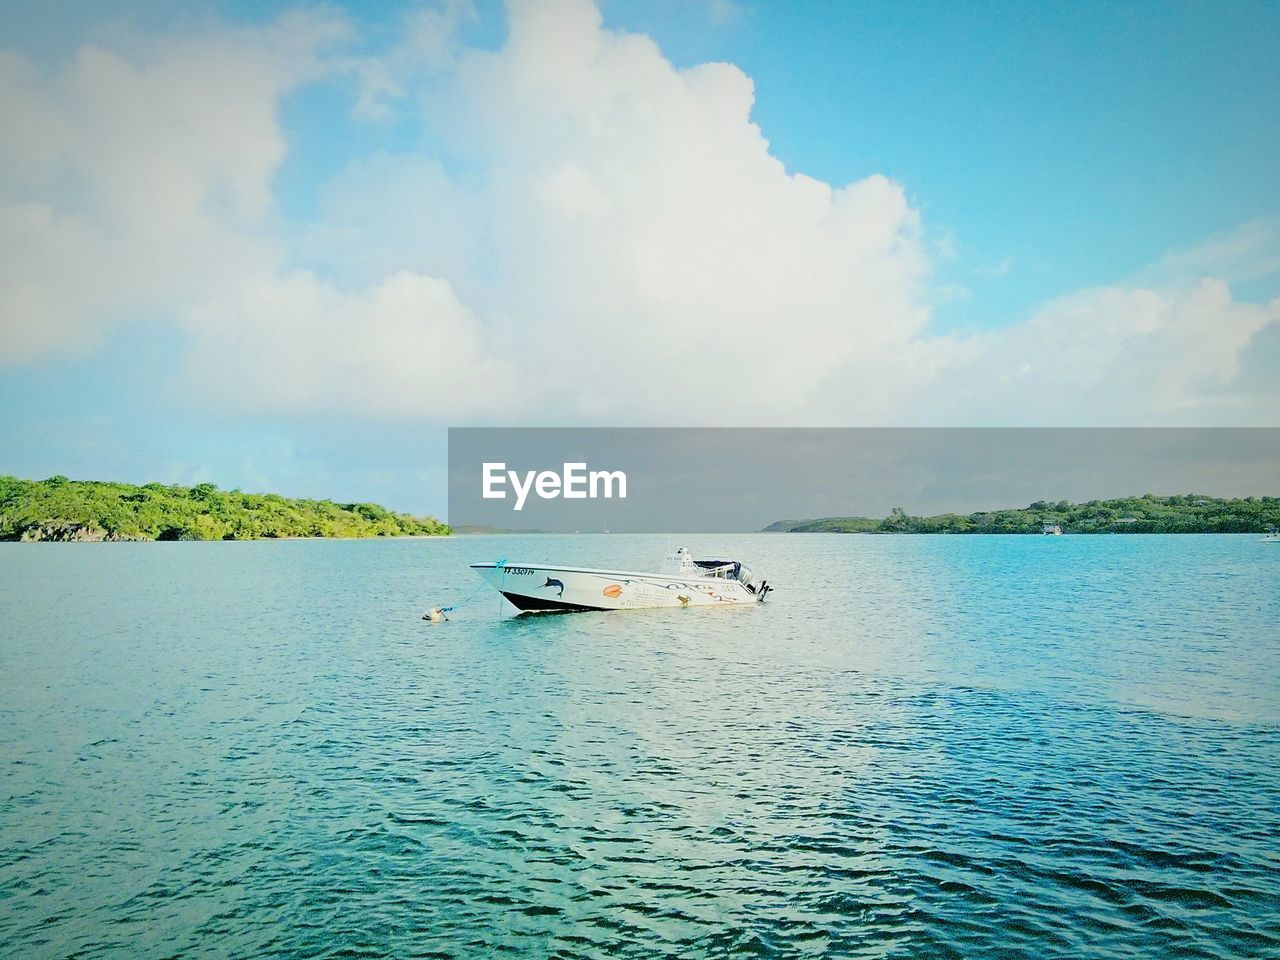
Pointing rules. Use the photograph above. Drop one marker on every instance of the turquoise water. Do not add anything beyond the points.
(922, 746)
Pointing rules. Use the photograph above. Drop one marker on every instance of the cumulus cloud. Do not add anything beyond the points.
(1120, 355)
(634, 244)
(131, 187)
(405, 348)
(595, 235)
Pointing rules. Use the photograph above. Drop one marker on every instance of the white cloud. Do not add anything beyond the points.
(603, 237)
(405, 348)
(134, 187)
(427, 45)
(1119, 355)
(640, 245)
(951, 293)
(1249, 252)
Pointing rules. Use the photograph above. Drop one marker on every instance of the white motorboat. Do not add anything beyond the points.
(682, 582)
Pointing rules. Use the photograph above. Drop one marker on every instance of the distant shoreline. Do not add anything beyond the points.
(1149, 513)
(90, 511)
(94, 539)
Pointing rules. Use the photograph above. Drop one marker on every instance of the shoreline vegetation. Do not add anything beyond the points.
(58, 509)
(1184, 513)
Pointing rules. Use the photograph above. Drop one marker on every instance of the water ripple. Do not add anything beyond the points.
(949, 747)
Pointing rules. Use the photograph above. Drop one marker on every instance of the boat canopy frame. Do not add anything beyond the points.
(725, 569)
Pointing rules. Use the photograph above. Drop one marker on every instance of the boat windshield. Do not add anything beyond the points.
(725, 570)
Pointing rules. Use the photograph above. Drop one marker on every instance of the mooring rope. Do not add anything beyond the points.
(501, 563)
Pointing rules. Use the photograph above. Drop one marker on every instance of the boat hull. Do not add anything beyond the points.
(538, 588)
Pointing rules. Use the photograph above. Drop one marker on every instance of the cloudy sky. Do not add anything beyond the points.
(282, 247)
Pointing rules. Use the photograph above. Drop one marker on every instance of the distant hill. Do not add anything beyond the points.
(89, 510)
(783, 526)
(1184, 513)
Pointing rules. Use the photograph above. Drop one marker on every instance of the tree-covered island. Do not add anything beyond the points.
(1185, 513)
(62, 509)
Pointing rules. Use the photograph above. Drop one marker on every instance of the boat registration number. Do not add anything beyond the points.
(519, 571)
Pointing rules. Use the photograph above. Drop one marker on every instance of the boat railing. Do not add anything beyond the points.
(730, 571)
(720, 573)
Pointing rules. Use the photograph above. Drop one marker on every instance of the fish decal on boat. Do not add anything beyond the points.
(555, 583)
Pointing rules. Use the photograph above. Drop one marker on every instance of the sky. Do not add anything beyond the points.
(285, 246)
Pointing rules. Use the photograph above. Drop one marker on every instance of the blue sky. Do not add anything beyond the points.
(1080, 140)
(1093, 184)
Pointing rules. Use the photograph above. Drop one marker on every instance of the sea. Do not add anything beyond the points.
(920, 746)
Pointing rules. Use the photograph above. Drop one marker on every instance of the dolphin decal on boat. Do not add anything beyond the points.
(555, 583)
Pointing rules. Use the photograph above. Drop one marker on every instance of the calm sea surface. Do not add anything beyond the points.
(920, 747)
